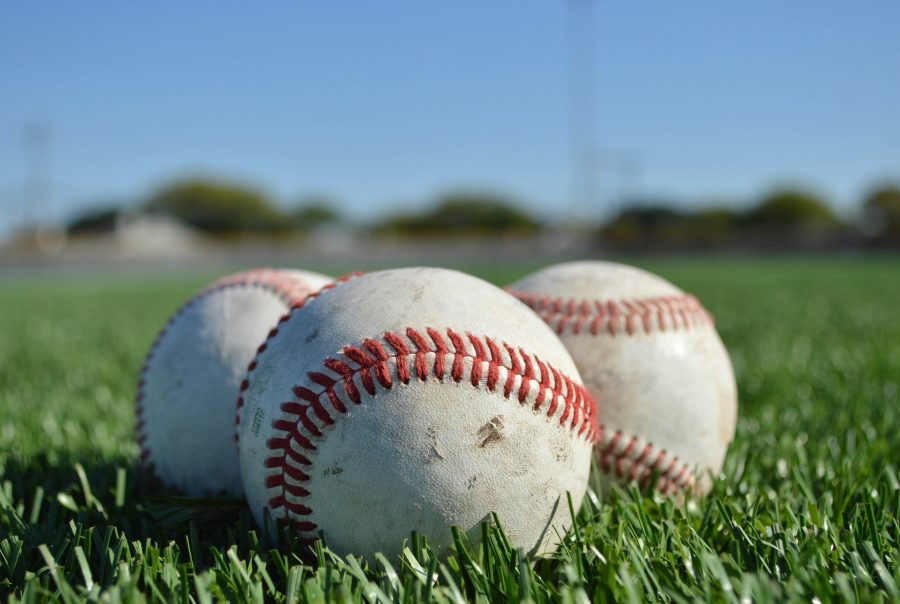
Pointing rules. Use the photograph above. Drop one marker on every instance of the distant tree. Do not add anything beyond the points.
(468, 212)
(94, 220)
(659, 225)
(712, 226)
(653, 215)
(314, 213)
(790, 210)
(465, 213)
(881, 215)
(217, 207)
(642, 224)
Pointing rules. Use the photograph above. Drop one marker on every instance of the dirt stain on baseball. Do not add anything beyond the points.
(491, 432)
(434, 451)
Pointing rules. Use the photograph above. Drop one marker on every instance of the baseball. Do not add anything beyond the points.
(650, 355)
(414, 399)
(191, 377)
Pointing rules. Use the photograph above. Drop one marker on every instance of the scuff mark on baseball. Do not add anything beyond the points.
(441, 397)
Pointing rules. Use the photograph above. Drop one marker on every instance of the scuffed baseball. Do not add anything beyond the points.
(391, 403)
(191, 377)
(650, 355)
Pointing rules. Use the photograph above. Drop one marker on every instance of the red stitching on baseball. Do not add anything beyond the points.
(285, 287)
(632, 317)
(379, 364)
(294, 306)
(632, 459)
(621, 456)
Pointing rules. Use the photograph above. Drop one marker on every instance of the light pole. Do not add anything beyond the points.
(582, 111)
(36, 190)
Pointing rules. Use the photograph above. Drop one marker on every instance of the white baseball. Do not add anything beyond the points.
(192, 374)
(415, 399)
(650, 355)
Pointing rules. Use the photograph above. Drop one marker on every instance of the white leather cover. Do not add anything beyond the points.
(650, 355)
(446, 443)
(190, 379)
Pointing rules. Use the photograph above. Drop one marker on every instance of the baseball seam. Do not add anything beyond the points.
(285, 287)
(394, 358)
(634, 459)
(630, 317)
(245, 383)
(627, 457)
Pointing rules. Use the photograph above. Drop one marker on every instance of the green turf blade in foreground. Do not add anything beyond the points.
(808, 506)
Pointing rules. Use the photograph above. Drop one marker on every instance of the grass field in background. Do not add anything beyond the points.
(808, 505)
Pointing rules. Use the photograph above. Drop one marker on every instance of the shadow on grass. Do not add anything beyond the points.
(77, 526)
(47, 498)
(96, 515)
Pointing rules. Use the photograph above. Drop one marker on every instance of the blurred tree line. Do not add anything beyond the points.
(462, 214)
(218, 208)
(787, 217)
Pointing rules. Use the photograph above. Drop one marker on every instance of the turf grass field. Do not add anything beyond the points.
(807, 507)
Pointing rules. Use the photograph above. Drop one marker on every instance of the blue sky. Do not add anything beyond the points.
(383, 105)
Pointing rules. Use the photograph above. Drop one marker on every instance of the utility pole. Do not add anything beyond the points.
(36, 190)
(583, 155)
(630, 172)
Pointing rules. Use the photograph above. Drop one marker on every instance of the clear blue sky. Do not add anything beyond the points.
(382, 105)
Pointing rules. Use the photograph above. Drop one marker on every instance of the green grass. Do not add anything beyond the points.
(808, 506)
